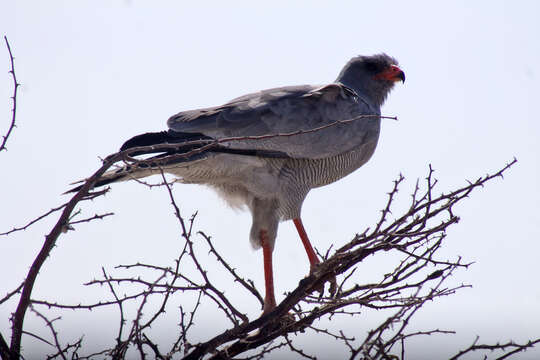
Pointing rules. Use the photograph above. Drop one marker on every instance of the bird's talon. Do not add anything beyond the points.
(273, 324)
(319, 287)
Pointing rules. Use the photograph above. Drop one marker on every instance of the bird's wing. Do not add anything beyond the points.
(283, 112)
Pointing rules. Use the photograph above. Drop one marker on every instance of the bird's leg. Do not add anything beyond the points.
(312, 256)
(269, 299)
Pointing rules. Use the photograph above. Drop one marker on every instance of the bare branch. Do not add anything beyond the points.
(14, 97)
(54, 333)
(32, 222)
(95, 217)
(246, 284)
(48, 245)
(10, 294)
(514, 348)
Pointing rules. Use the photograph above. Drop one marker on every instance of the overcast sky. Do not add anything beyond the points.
(95, 73)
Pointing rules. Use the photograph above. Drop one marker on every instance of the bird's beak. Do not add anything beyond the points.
(393, 73)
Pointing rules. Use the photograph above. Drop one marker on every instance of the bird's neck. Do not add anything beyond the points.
(370, 92)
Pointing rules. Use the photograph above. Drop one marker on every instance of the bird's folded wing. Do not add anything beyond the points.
(301, 121)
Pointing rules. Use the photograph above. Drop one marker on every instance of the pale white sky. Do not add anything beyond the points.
(94, 73)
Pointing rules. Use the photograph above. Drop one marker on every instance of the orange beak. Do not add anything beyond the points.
(393, 73)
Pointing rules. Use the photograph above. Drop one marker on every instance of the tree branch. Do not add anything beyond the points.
(14, 97)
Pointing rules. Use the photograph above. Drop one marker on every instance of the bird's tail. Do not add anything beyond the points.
(192, 141)
(184, 143)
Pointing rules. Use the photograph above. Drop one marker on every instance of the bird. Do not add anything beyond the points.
(283, 142)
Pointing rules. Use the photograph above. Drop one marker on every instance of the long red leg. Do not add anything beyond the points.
(313, 259)
(269, 299)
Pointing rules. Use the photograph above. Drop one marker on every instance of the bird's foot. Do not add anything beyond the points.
(270, 305)
(272, 324)
(319, 287)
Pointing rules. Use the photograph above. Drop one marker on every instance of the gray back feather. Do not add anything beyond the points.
(286, 110)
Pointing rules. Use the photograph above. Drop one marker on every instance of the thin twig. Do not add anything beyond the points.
(32, 222)
(10, 294)
(50, 325)
(14, 98)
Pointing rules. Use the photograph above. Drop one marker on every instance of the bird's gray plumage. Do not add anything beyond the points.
(274, 187)
(281, 111)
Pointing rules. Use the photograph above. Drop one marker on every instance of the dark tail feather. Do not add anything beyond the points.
(170, 137)
(173, 137)
(149, 139)
(164, 137)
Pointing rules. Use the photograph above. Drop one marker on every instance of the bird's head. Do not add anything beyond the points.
(372, 76)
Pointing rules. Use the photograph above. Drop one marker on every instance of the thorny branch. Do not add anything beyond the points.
(54, 333)
(13, 98)
(33, 221)
(514, 348)
(12, 293)
(417, 278)
(249, 285)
